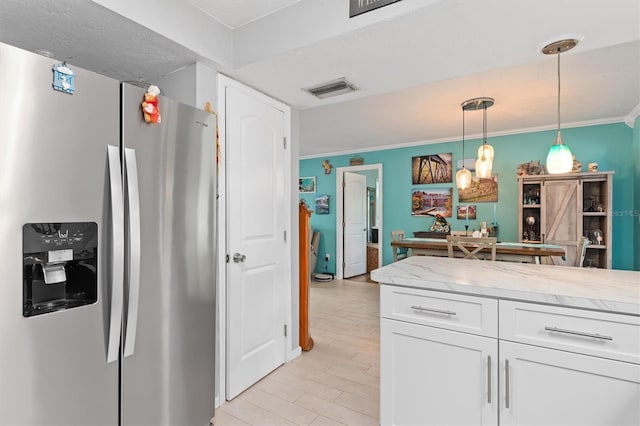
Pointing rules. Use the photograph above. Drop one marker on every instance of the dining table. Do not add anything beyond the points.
(505, 250)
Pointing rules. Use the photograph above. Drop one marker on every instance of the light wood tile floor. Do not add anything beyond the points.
(337, 382)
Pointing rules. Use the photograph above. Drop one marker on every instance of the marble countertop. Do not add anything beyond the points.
(605, 290)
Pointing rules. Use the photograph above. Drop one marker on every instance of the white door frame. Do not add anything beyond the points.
(221, 290)
(340, 213)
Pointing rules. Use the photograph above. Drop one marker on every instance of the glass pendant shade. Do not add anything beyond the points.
(484, 163)
(486, 150)
(463, 178)
(559, 159)
(483, 167)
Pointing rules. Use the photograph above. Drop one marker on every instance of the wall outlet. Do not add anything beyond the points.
(327, 256)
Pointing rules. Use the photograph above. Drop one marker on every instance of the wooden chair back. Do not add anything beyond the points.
(459, 233)
(399, 252)
(581, 251)
(397, 235)
(470, 247)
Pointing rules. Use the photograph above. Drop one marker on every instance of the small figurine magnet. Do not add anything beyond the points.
(150, 105)
(63, 78)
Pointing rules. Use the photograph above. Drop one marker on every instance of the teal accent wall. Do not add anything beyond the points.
(613, 146)
(636, 193)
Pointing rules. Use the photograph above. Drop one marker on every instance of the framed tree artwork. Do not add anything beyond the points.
(429, 202)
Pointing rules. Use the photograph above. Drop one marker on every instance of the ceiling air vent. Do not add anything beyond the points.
(332, 88)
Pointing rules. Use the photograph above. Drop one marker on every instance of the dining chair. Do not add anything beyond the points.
(581, 251)
(475, 244)
(399, 253)
(459, 233)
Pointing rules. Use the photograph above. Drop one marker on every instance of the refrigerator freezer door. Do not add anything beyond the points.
(169, 378)
(53, 168)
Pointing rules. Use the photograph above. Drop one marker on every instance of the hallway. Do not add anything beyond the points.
(337, 382)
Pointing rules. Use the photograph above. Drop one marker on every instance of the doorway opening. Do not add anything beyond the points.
(374, 220)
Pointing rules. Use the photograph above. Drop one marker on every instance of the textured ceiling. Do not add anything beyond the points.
(92, 37)
(414, 61)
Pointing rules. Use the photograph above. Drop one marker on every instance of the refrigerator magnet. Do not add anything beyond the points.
(150, 105)
(64, 78)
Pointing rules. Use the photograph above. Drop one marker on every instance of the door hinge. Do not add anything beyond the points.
(285, 236)
(285, 330)
(227, 258)
(344, 184)
(285, 142)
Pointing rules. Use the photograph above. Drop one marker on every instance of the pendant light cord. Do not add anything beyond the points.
(558, 90)
(484, 130)
(463, 138)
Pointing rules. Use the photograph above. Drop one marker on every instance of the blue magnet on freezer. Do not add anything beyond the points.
(64, 78)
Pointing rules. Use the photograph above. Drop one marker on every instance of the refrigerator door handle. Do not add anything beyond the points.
(117, 253)
(133, 200)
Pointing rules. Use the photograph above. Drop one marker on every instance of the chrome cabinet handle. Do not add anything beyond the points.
(579, 333)
(437, 311)
(489, 379)
(237, 258)
(506, 383)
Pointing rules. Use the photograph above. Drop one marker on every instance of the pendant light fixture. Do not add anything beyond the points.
(484, 163)
(463, 176)
(559, 159)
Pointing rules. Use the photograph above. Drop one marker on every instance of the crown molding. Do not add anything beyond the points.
(631, 118)
(469, 138)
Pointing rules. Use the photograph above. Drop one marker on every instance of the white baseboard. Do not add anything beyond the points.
(294, 354)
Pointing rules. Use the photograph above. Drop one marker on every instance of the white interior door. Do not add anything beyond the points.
(355, 224)
(256, 239)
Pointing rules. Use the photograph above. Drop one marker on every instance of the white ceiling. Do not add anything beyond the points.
(415, 61)
(236, 13)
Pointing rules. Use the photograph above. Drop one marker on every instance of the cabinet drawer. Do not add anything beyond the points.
(469, 314)
(600, 334)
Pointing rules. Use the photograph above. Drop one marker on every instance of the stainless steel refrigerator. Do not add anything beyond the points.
(107, 253)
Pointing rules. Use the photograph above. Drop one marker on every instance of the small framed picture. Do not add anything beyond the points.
(466, 211)
(322, 204)
(307, 185)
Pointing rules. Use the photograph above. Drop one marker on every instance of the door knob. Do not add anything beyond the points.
(237, 257)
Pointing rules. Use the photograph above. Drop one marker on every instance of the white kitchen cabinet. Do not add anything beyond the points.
(468, 314)
(551, 387)
(434, 371)
(600, 334)
(431, 376)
